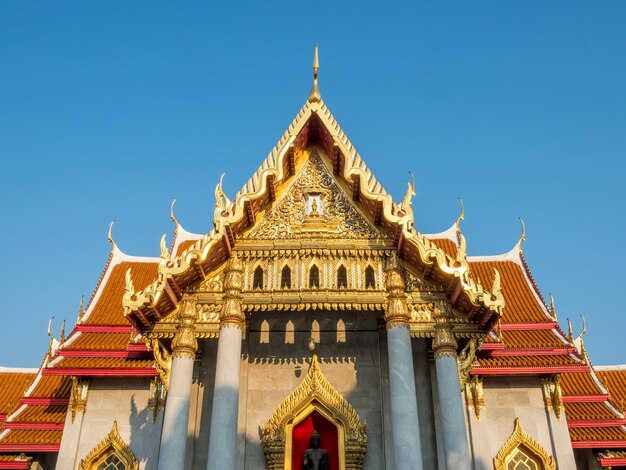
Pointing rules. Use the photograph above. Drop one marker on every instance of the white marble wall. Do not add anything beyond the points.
(507, 398)
(124, 401)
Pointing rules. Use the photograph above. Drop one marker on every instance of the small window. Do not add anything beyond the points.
(285, 278)
(314, 277)
(289, 333)
(342, 277)
(257, 282)
(264, 337)
(370, 278)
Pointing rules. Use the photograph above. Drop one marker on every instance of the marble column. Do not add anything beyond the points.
(404, 421)
(176, 417)
(455, 445)
(225, 409)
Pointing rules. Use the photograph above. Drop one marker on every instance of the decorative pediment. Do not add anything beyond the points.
(314, 206)
(522, 451)
(315, 392)
(111, 452)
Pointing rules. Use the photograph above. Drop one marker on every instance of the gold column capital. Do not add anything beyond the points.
(232, 314)
(396, 311)
(184, 343)
(444, 343)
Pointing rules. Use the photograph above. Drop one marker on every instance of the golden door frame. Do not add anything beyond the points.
(519, 439)
(314, 393)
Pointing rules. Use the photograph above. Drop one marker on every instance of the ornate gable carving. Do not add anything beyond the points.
(314, 206)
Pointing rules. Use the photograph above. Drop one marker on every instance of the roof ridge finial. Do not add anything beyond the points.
(315, 95)
(110, 235)
(522, 236)
(461, 215)
(172, 216)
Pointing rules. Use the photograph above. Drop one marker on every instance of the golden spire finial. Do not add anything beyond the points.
(522, 236)
(552, 309)
(461, 215)
(110, 235)
(62, 337)
(81, 312)
(172, 216)
(314, 94)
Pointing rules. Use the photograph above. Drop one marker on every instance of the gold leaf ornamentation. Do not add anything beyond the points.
(315, 392)
(111, 444)
(521, 446)
(314, 206)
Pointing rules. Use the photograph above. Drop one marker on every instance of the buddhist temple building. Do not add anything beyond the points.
(314, 307)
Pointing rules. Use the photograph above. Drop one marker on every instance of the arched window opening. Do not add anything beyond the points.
(342, 277)
(257, 281)
(370, 278)
(315, 331)
(289, 333)
(314, 277)
(285, 278)
(341, 331)
(265, 332)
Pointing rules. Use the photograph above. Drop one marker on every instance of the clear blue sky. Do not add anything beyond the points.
(109, 110)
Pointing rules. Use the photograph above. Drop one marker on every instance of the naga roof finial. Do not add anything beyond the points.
(315, 95)
(461, 215)
(552, 310)
(110, 235)
(522, 236)
(172, 216)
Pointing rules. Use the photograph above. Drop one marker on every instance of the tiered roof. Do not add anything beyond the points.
(134, 293)
(530, 342)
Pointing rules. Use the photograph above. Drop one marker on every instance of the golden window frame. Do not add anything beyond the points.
(519, 439)
(111, 444)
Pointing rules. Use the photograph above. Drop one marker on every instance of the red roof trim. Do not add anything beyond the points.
(17, 464)
(480, 370)
(585, 398)
(596, 423)
(492, 346)
(528, 326)
(507, 352)
(102, 353)
(598, 444)
(44, 401)
(103, 328)
(3, 416)
(113, 372)
(33, 426)
(29, 447)
(610, 462)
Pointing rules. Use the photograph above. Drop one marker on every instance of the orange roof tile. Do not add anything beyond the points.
(108, 308)
(597, 434)
(52, 387)
(43, 414)
(12, 387)
(521, 305)
(615, 381)
(91, 341)
(22, 436)
(579, 384)
(445, 244)
(527, 361)
(588, 411)
(532, 339)
(102, 363)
